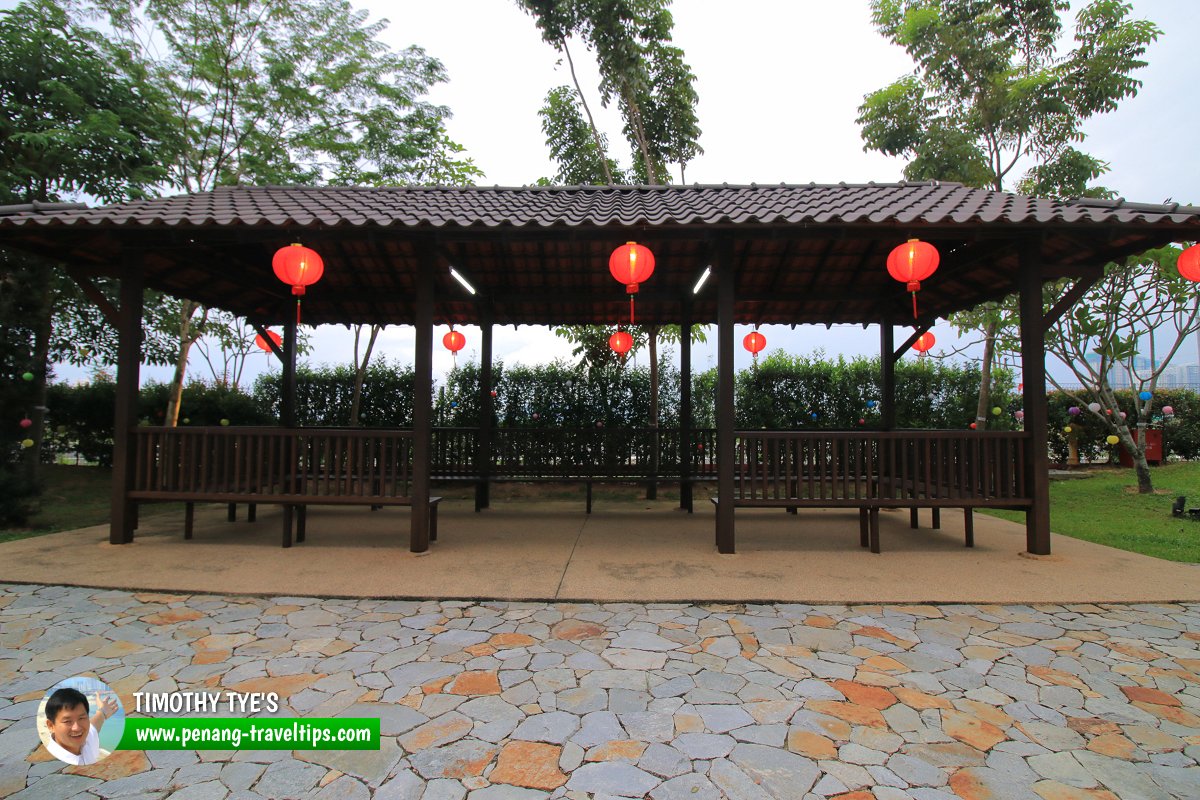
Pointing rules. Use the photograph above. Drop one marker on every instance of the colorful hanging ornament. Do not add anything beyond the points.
(620, 342)
(454, 341)
(27, 376)
(1144, 396)
(263, 343)
(1020, 415)
(631, 264)
(997, 411)
(1168, 411)
(972, 426)
(27, 443)
(26, 423)
(1073, 410)
(1067, 429)
(1094, 408)
(754, 342)
(1189, 263)
(924, 342)
(299, 267)
(1112, 439)
(912, 262)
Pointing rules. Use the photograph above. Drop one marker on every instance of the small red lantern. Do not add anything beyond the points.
(911, 263)
(621, 342)
(262, 343)
(454, 341)
(1189, 263)
(924, 342)
(299, 267)
(754, 342)
(631, 264)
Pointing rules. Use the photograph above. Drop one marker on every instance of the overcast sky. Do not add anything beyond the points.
(779, 83)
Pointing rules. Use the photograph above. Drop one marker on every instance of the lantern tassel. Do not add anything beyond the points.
(914, 294)
(631, 309)
(297, 309)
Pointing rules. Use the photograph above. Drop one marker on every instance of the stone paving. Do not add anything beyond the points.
(522, 701)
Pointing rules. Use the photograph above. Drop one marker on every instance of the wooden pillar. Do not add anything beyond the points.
(129, 359)
(887, 367)
(685, 408)
(1033, 374)
(287, 389)
(726, 283)
(422, 398)
(483, 458)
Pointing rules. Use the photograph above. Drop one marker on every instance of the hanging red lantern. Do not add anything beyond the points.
(754, 342)
(631, 264)
(262, 343)
(1189, 263)
(924, 342)
(621, 342)
(911, 263)
(299, 267)
(454, 341)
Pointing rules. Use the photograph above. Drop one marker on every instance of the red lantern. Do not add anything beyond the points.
(1189, 263)
(299, 267)
(620, 342)
(262, 343)
(754, 342)
(911, 263)
(454, 341)
(631, 264)
(924, 342)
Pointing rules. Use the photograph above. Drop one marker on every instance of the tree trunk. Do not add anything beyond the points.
(187, 337)
(985, 376)
(360, 370)
(587, 110)
(1135, 446)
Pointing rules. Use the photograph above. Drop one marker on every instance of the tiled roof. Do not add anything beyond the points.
(928, 203)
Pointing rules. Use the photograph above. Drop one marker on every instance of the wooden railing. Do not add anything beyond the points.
(270, 464)
(884, 468)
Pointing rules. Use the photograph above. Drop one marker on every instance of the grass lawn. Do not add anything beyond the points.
(75, 497)
(1107, 509)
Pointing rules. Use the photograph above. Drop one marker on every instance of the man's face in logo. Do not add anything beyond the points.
(70, 728)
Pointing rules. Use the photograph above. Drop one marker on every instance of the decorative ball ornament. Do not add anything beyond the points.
(631, 264)
(224, 423)
(493, 393)
(263, 343)
(1019, 414)
(1112, 439)
(972, 426)
(454, 404)
(620, 342)
(1144, 395)
(754, 342)
(1189, 263)
(911, 263)
(813, 415)
(27, 376)
(1067, 429)
(924, 342)
(536, 415)
(299, 267)
(1094, 408)
(26, 423)
(27, 443)
(1073, 410)
(862, 421)
(997, 411)
(1168, 411)
(872, 403)
(1123, 415)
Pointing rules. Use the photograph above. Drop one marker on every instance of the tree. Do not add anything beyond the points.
(990, 93)
(78, 116)
(1132, 323)
(287, 92)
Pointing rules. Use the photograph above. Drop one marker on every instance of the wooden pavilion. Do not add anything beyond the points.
(786, 254)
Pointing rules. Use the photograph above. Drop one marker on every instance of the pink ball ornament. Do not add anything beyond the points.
(1168, 411)
(26, 423)
(536, 415)
(1123, 415)
(1019, 415)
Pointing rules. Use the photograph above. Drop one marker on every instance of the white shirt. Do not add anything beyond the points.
(90, 753)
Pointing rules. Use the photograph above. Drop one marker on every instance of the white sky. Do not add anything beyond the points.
(779, 83)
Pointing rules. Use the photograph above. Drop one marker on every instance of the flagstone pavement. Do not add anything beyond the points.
(520, 701)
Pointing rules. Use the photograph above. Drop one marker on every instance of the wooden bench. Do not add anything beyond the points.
(935, 497)
(868, 512)
(299, 506)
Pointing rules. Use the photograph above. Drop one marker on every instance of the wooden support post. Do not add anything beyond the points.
(483, 458)
(1033, 374)
(129, 359)
(726, 285)
(685, 408)
(287, 418)
(422, 397)
(887, 366)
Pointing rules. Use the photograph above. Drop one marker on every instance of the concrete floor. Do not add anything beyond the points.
(645, 552)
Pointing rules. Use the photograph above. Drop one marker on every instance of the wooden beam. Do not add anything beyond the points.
(129, 359)
(1033, 369)
(726, 455)
(486, 415)
(93, 293)
(685, 408)
(887, 366)
(1069, 298)
(922, 329)
(261, 330)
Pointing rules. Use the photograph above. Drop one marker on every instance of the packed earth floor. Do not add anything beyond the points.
(522, 701)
